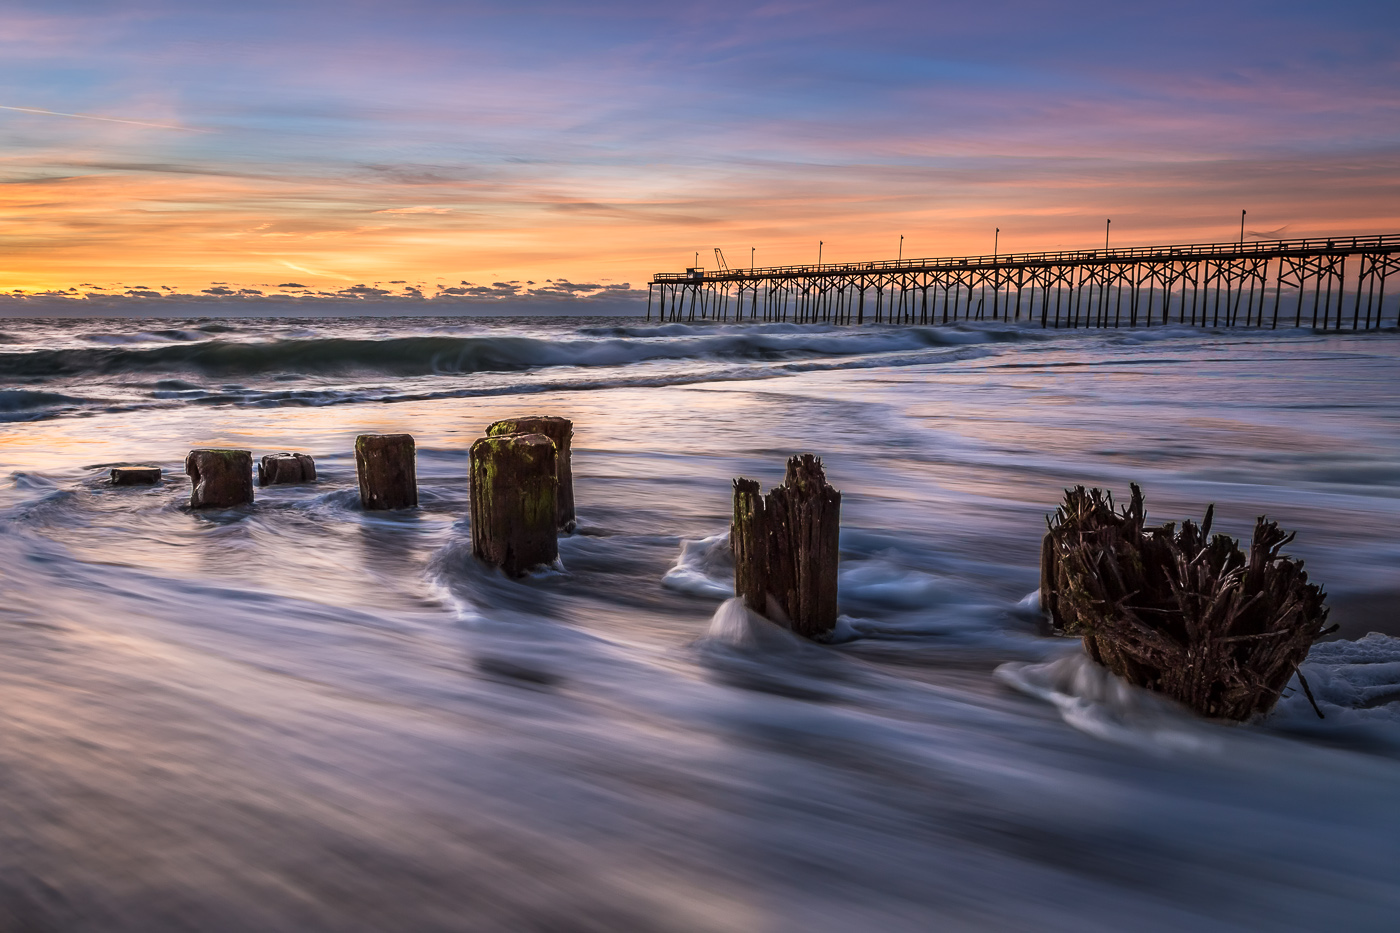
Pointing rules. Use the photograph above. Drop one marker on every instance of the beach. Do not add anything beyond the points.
(303, 716)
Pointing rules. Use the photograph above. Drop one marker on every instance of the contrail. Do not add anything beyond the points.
(88, 116)
(325, 275)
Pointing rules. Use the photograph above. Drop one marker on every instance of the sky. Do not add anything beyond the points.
(473, 151)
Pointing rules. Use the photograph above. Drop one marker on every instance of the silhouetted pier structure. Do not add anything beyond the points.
(1264, 283)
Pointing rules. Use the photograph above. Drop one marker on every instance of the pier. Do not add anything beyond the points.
(1327, 283)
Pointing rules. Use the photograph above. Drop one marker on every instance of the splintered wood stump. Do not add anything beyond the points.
(135, 476)
(386, 467)
(787, 546)
(1178, 610)
(277, 469)
(561, 432)
(1047, 581)
(220, 478)
(514, 508)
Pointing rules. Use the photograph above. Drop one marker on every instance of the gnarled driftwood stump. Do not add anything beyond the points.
(1182, 612)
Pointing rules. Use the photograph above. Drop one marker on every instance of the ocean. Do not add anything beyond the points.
(301, 716)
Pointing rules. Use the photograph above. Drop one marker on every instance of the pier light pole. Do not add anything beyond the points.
(901, 248)
(1241, 228)
(819, 252)
(1106, 225)
(752, 249)
(996, 238)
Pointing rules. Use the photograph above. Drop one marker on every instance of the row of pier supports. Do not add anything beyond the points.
(1168, 609)
(1321, 291)
(521, 479)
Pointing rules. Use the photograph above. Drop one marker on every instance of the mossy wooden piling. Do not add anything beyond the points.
(787, 547)
(561, 432)
(514, 512)
(220, 478)
(386, 467)
(282, 468)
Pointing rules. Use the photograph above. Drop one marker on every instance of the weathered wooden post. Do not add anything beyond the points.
(561, 432)
(1048, 584)
(386, 468)
(279, 469)
(513, 503)
(220, 478)
(787, 546)
(135, 476)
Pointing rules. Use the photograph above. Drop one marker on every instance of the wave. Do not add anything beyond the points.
(33, 405)
(169, 393)
(452, 355)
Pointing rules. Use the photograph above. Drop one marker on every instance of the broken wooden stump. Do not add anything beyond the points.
(514, 511)
(220, 478)
(387, 470)
(1047, 581)
(135, 476)
(1184, 613)
(561, 432)
(279, 469)
(787, 546)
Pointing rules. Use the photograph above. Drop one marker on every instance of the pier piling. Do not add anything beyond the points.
(134, 476)
(385, 465)
(282, 468)
(561, 432)
(787, 546)
(514, 512)
(220, 478)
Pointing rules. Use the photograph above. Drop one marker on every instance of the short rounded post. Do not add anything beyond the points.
(282, 468)
(513, 505)
(561, 432)
(220, 478)
(386, 467)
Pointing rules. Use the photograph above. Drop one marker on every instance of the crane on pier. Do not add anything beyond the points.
(719, 260)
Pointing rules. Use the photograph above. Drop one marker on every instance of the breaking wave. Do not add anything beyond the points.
(450, 355)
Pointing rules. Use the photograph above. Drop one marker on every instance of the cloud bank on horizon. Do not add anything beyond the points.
(462, 150)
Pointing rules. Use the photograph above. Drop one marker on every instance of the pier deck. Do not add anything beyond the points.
(1324, 283)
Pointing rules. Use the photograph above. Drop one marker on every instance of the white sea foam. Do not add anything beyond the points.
(734, 625)
(1094, 700)
(704, 567)
(1356, 685)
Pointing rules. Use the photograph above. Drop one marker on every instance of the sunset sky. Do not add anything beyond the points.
(485, 149)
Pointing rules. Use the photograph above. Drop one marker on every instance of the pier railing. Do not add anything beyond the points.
(1202, 284)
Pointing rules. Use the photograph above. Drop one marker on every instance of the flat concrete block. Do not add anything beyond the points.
(135, 476)
(221, 478)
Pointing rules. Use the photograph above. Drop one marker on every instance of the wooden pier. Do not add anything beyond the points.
(1336, 283)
